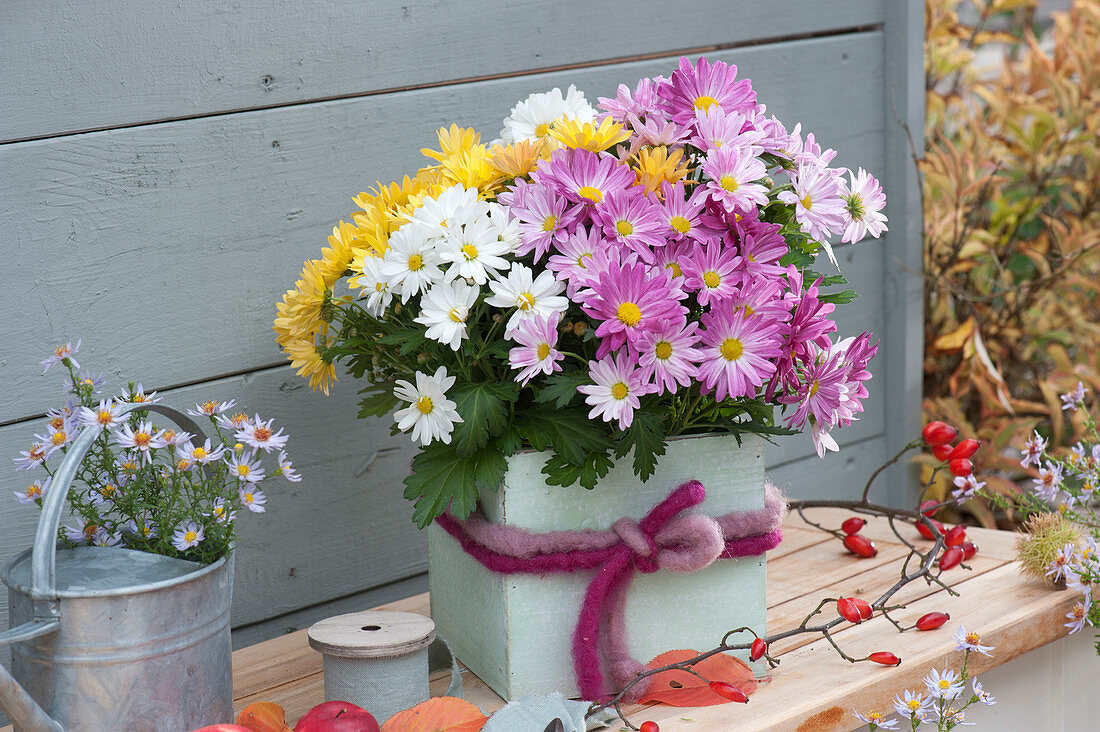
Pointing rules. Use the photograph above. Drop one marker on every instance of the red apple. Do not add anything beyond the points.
(337, 716)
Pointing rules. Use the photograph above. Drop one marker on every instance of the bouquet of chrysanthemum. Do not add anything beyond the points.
(593, 283)
(143, 487)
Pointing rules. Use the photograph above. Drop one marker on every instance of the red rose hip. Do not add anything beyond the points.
(860, 545)
(951, 558)
(849, 610)
(931, 621)
(942, 451)
(885, 658)
(729, 691)
(960, 467)
(649, 726)
(956, 536)
(938, 433)
(759, 648)
(926, 532)
(853, 525)
(964, 449)
(969, 549)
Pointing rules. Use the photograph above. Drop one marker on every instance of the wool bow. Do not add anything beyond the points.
(666, 538)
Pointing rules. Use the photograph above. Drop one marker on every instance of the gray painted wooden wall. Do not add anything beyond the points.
(165, 169)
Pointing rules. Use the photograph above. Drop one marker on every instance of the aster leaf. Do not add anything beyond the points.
(440, 479)
(484, 411)
(559, 471)
(561, 389)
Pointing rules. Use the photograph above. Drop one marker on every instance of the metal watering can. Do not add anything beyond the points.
(105, 638)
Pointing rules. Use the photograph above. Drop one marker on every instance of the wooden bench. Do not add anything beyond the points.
(813, 689)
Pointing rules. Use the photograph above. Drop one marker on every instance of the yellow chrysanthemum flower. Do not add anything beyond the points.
(585, 135)
(471, 169)
(337, 256)
(655, 165)
(452, 141)
(518, 159)
(303, 356)
(301, 313)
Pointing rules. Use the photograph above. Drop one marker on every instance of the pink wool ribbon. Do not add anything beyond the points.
(666, 538)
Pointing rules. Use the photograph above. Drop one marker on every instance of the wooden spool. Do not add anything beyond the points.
(377, 659)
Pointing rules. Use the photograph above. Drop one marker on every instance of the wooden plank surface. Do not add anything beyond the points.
(175, 232)
(1012, 613)
(102, 65)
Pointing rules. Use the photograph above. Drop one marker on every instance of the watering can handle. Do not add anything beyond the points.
(44, 557)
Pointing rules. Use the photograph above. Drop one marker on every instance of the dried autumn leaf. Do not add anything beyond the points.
(954, 340)
(440, 714)
(263, 717)
(683, 689)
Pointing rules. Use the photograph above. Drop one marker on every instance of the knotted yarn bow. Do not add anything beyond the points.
(666, 538)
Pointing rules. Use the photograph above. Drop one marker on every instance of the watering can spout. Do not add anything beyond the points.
(18, 705)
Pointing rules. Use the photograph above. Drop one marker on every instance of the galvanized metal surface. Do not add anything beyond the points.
(111, 638)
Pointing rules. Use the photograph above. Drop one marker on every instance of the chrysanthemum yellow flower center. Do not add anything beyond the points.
(729, 183)
(854, 204)
(37, 452)
(526, 301)
(704, 102)
(90, 529)
(625, 228)
(243, 470)
(470, 252)
(87, 382)
(663, 350)
(675, 267)
(416, 262)
(424, 404)
(620, 390)
(141, 439)
(543, 351)
(549, 223)
(592, 194)
(711, 279)
(238, 419)
(129, 466)
(580, 260)
(542, 130)
(807, 202)
(629, 314)
(457, 316)
(814, 387)
(107, 489)
(732, 349)
(104, 417)
(680, 224)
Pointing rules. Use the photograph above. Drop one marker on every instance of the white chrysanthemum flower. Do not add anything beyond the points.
(411, 264)
(531, 119)
(450, 210)
(375, 286)
(507, 226)
(444, 310)
(474, 250)
(187, 535)
(529, 295)
(430, 414)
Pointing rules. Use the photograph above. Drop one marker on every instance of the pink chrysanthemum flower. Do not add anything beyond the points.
(761, 246)
(712, 272)
(630, 300)
(582, 176)
(820, 392)
(642, 102)
(863, 204)
(738, 352)
(715, 129)
(672, 259)
(668, 356)
(732, 172)
(683, 215)
(544, 217)
(616, 391)
(536, 353)
(808, 152)
(632, 220)
(762, 298)
(703, 86)
(576, 254)
(818, 205)
(655, 131)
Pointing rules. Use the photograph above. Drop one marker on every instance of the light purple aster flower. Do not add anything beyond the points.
(1033, 450)
(1049, 482)
(60, 354)
(820, 392)
(537, 352)
(1074, 399)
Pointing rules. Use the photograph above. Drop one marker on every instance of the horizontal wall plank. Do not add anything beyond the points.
(166, 246)
(70, 65)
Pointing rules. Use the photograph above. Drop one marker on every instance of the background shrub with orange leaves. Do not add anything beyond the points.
(1011, 195)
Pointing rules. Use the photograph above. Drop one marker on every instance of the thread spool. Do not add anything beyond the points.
(377, 659)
